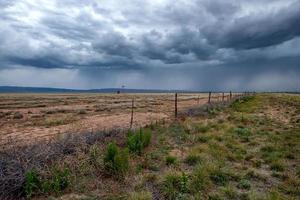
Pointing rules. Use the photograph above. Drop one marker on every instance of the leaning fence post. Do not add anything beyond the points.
(175, 105)
(209, 96)
(131, 119)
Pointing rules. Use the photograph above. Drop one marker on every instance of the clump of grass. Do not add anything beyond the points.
(230, 193)
(202, 128)
(56, 121)
(203, 138)
(192, 159)
(271, 153)
(243, 133)
(116, 160)
(32, 183)
(244, 184)
(60, 180)
(171, 160)
(56, 182)
(175, 185)
(200, 178)
(137, 141)
(291, 187)
(179, 132)
(219, 177)
(246, 104)
(95, 155)
(277, 166)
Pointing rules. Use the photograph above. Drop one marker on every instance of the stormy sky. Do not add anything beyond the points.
(158, 44)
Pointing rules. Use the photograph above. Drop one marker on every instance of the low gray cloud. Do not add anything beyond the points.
(153, 44)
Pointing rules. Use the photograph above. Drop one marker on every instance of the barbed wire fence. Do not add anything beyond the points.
(179, 100)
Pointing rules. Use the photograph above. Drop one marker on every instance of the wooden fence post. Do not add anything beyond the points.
(223, 97)
(131, 119)
(176, 105)
(230, 95)
(209, 96)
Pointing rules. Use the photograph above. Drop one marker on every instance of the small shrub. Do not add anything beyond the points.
(192, 159)
(137, 141)
(32, 183)
(115, 160)
(171, 160)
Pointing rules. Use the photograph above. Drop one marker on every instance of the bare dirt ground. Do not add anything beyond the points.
(26, 118)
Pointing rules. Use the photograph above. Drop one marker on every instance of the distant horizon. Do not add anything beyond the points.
(112, 89)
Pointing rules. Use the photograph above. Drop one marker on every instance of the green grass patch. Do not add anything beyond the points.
(115, 160)
(138, 140)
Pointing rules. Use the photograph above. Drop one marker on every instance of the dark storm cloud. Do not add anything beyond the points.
(257, 31)
(203, 43)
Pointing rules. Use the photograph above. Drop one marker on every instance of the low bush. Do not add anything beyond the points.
(116, 160)
(137, 141)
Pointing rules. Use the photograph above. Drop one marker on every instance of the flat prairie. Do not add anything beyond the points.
(245, 149)
(26, 118)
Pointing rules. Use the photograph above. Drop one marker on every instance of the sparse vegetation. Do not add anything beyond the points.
(240, 151)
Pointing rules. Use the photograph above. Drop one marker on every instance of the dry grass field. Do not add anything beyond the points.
(31, 117)
(245, 149)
